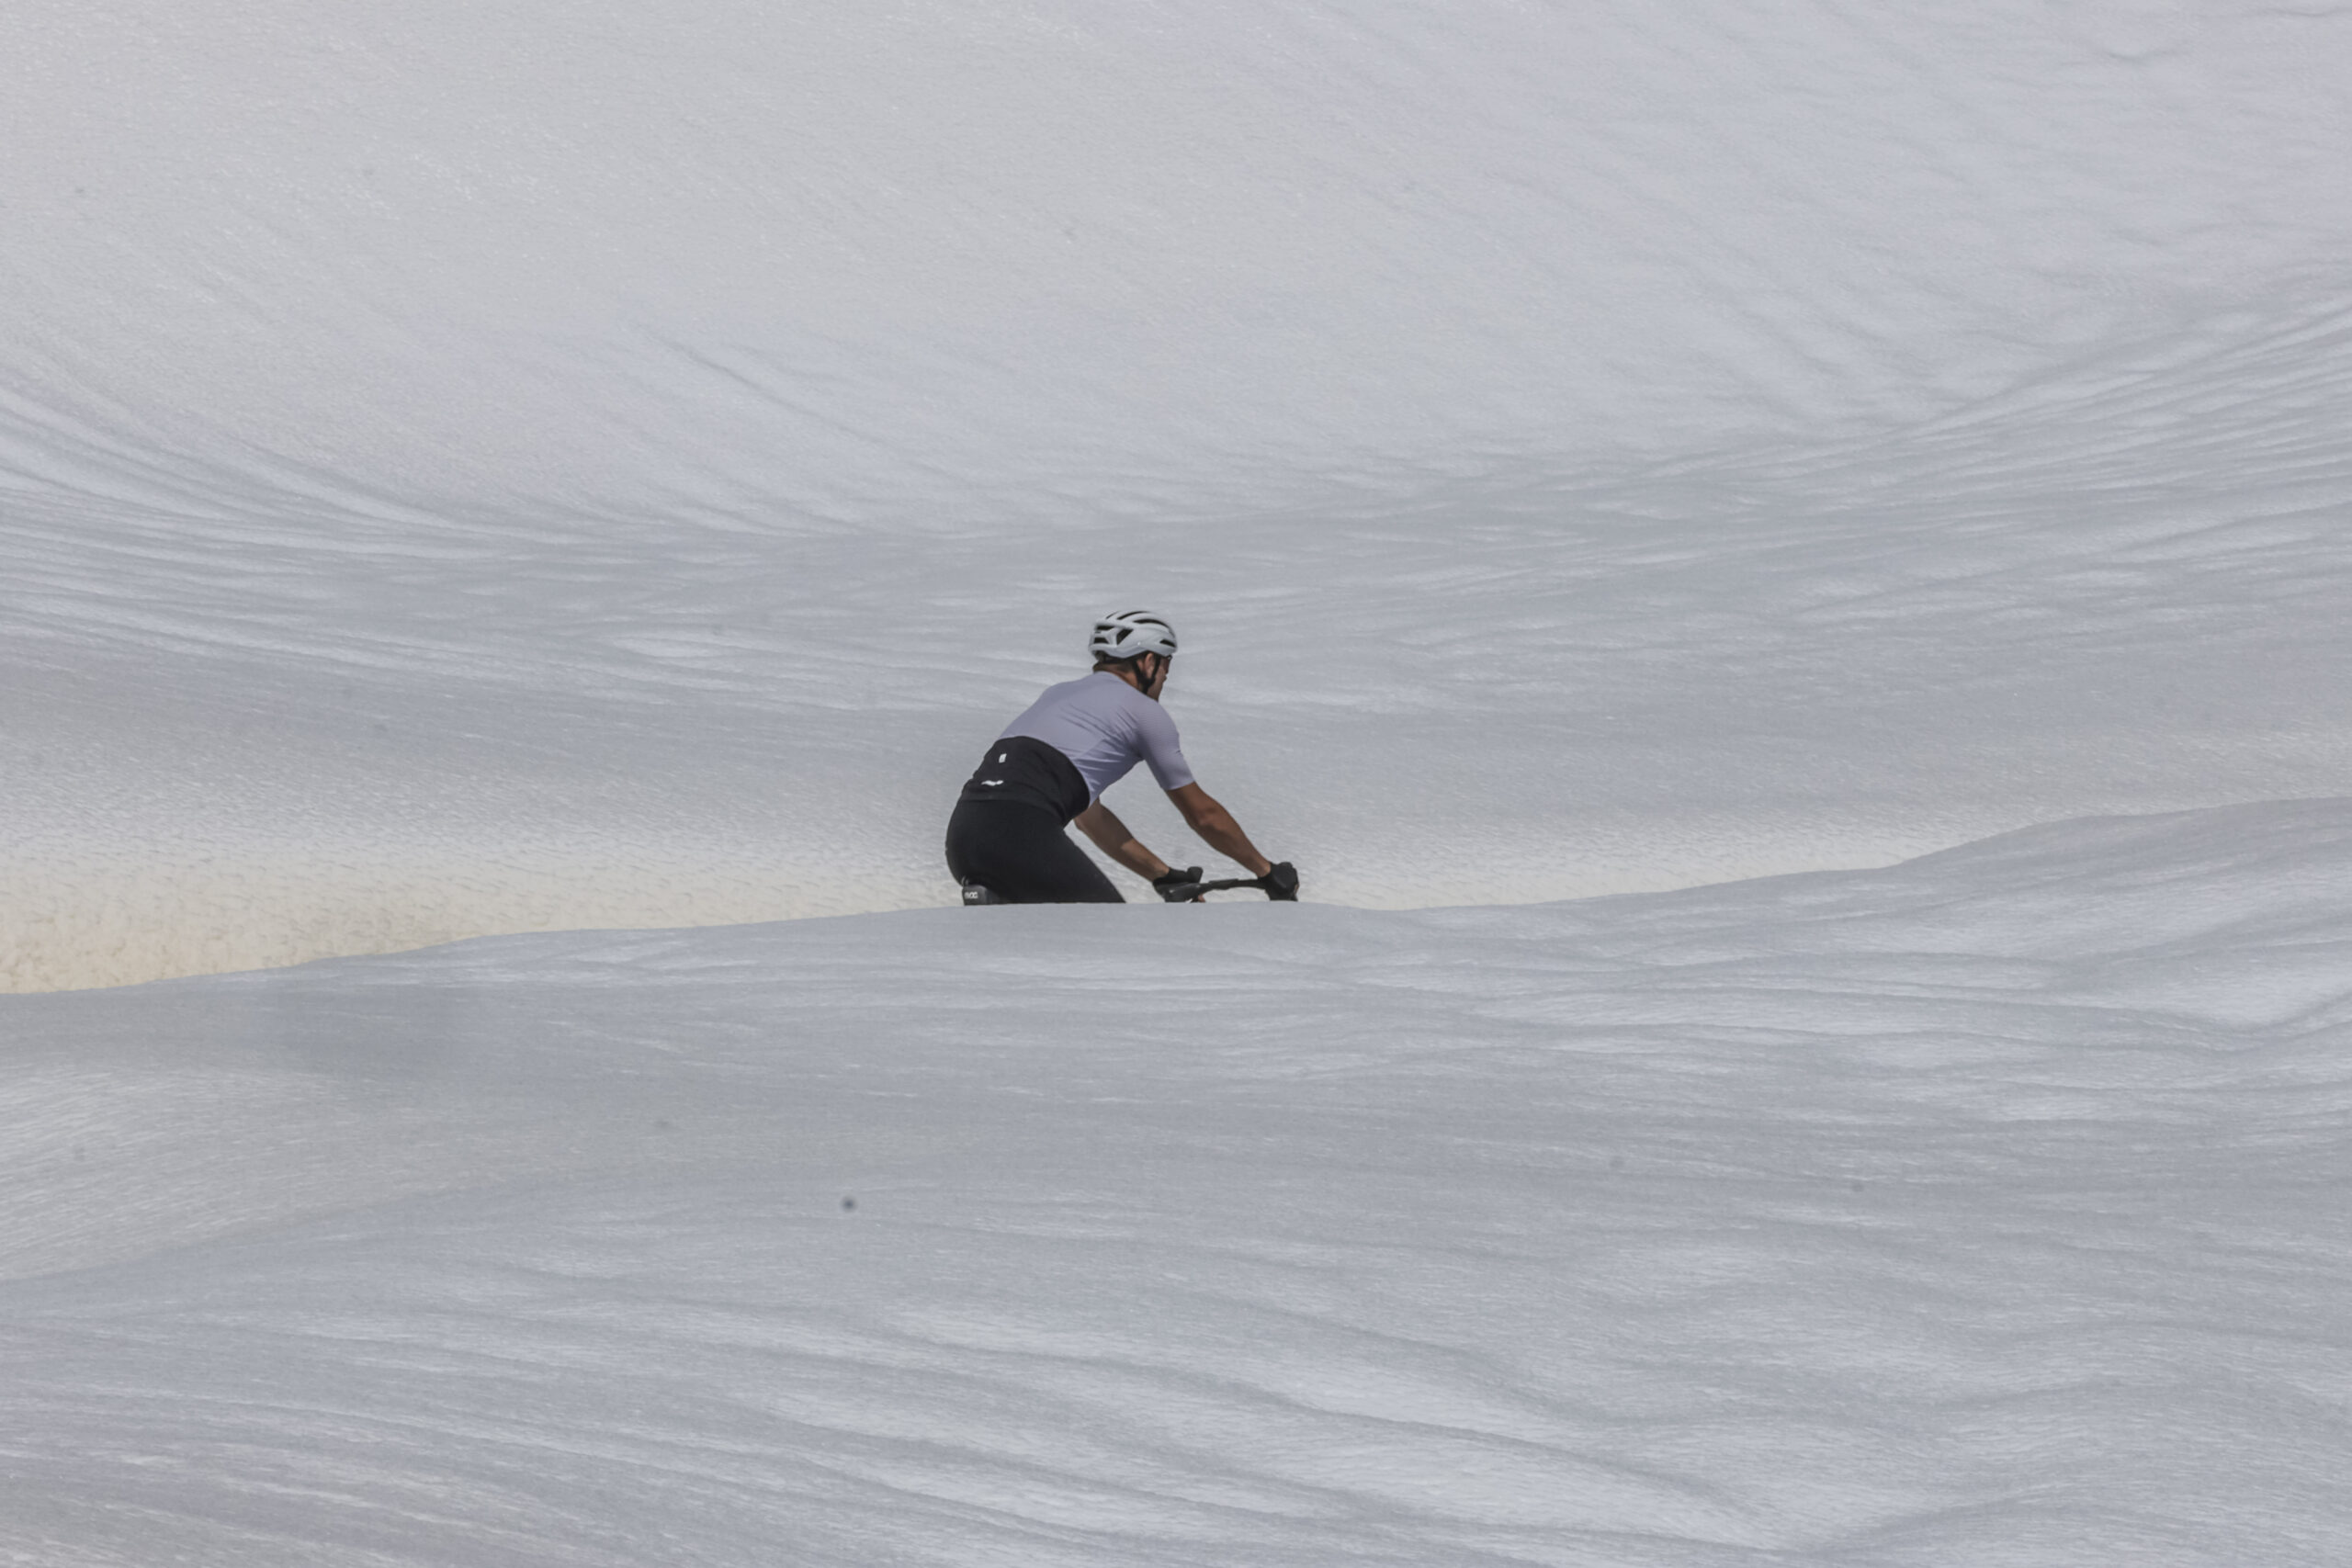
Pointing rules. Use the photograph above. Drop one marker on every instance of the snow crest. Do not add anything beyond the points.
(1986, 1207)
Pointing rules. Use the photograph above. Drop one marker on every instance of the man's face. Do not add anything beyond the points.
(1156, 668)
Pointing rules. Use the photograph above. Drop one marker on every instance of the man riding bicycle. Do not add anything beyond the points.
(1050, 766)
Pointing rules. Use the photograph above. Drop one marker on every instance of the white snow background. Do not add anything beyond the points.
(501, 468)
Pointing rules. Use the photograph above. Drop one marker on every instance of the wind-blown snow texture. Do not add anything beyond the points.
(1987, 1209)
(468, 468)
(474, 469)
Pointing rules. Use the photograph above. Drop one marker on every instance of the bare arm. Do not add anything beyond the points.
(1216, 826)
(1111, 836)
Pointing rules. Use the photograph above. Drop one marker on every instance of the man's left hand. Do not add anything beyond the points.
(1179, 886)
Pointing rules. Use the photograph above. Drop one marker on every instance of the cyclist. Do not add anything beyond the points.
(1050, 766)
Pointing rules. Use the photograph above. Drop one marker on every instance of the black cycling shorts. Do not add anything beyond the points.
(1025, 768)
(1021, 854)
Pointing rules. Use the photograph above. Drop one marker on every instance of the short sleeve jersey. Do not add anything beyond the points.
(1105, 726)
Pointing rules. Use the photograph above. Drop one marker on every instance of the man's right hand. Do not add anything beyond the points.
(1281, 884)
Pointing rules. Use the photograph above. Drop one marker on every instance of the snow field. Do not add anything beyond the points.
(1987, 1208)
(471, 469)
(2117, 589)
(731, 261)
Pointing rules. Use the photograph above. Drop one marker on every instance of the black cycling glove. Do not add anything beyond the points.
(1177, 887)
(1281, 884)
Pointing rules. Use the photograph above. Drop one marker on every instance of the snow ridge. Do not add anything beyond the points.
(1983, 1206)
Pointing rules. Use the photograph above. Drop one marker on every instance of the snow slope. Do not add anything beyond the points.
(519, 466)
(734, 260)
(1985, 1209)
(473, 467)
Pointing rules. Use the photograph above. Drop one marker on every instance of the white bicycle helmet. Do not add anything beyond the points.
(1129, 633)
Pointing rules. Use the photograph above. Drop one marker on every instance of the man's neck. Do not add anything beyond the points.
(1132, 679)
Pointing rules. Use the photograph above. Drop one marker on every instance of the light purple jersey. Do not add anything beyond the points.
(1105, 726)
